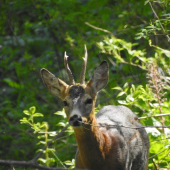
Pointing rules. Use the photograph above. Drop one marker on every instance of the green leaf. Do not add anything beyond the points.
(24, 120)
(50, 150)
(13, 84)
(121, 94)
(68, 162)
(26, 112)
(133, 87)
(61, 124)
(157, 147)
(42, 160)
(50, 160)
(130, 98)
(126, 85)
(146, 2)
(117, 88)
(69, 132)
(41, 142)
(61, 113)
(41, 136)
(32, 109)
(122, 102)
(40, 150)
(126, 89)
(38, 115)
(52, 133)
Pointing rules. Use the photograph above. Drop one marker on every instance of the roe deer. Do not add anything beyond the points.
(103, 142)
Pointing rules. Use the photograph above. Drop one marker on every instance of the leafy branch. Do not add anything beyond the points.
(159, 21)
(33, 163)
(42, 128)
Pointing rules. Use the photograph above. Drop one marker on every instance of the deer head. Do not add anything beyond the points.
(78, 98)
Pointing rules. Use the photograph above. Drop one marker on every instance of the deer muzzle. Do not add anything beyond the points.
(76, 121)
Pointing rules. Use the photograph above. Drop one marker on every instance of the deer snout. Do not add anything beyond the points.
(75, 120)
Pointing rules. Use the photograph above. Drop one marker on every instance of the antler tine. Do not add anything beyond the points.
(83, 71)
(72, 82)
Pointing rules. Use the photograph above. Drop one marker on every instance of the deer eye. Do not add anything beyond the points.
(65, 103)
(88, 101)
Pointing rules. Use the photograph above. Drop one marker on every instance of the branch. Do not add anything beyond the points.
(97, 28)
(165, 114)
(27, 164)
(157, 154)
(159, 21)
(154, 164)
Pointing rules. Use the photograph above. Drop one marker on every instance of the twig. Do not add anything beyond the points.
(125, 62)
(154, 165)
(165, 114)
(159, 21)
(157, 154)
(132, 64)
(97, 28)
(159, 48)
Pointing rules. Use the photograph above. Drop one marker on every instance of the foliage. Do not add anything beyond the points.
(45, 136)
(35, 34)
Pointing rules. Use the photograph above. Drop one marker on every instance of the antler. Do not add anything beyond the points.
(72, 82)
(83, 71)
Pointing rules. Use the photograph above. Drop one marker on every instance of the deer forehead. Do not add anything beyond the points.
(76, 92)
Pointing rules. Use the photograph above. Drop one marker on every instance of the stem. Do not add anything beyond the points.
(46, 141)
(58, 159)
(49, 143)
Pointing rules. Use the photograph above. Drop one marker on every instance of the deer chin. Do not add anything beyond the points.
(78, 123)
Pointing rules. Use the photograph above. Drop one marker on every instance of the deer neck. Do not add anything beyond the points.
(91, 144)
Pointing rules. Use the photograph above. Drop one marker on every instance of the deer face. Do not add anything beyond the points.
(78, 104)
(79, 99)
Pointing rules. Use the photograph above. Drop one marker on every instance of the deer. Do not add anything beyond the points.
(113, 139)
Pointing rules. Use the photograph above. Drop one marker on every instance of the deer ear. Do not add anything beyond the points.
(53, 84)
(100, 77)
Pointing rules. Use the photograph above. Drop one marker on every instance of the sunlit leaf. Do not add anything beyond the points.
(121, 94)
(61, 124)
(117, 88)
(26, 112)
(38, 115)
(32, 109)
(122, 102)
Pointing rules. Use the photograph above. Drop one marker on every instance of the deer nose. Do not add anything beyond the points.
(75, 120)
